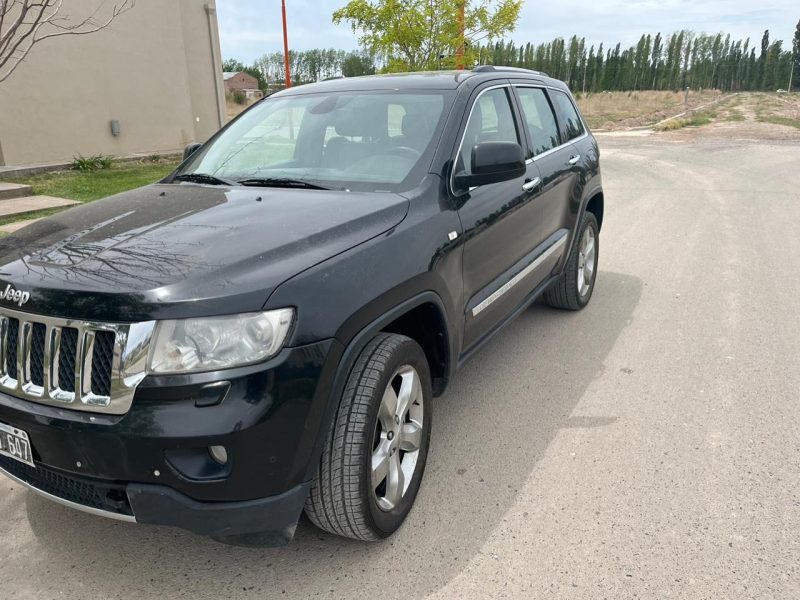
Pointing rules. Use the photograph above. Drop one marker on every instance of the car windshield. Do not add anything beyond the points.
(360, 141)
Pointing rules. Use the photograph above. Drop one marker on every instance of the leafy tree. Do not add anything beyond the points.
(762, 60)
(795, 69)
(231, 65)
(357, 64)
(420, 34)
(656, 59)
(309, 65)
(772, 66)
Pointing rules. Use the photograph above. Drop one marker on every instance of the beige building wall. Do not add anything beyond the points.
(156, 69)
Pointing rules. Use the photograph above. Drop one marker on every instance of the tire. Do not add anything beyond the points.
(568, 292)
(342, 499)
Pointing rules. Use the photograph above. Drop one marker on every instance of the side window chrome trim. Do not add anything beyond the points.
(452, 181)
(568, 142)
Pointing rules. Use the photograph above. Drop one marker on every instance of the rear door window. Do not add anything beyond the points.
(540, 119)
(571, 124)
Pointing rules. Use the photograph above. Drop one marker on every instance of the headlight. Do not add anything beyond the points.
(207, 344)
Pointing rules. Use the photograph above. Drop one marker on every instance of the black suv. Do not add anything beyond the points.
(264, 331)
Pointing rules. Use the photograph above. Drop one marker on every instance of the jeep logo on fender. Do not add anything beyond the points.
(17, 296)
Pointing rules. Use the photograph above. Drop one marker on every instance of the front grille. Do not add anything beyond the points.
(84, 365)
(101, 495)
(50, 362)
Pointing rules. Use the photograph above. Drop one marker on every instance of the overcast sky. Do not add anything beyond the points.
(250, 28)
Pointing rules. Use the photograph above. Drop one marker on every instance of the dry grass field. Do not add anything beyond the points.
(779, 109)
(619, 110)
(233, 109)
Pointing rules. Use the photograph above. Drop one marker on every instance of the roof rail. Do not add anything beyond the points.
(494, 68)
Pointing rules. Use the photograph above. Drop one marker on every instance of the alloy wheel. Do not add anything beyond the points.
(587, 261)
(398, 437)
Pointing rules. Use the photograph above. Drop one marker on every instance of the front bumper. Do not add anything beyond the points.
(152, 465)
(267, 521)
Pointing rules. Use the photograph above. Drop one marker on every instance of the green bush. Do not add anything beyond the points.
(95, 162)
(239, 97)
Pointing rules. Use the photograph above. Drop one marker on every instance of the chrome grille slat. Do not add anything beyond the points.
(23, 358)
(51, 349)
(124, 346)
(68, 344)
(3, 346)
(83, 366)
(12, 343)
(37, 356)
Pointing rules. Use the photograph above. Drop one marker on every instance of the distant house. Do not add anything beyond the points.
(242, 82)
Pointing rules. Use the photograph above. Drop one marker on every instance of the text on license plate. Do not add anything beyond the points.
(14, 443)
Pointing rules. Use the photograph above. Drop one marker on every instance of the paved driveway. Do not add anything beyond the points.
(648, 446)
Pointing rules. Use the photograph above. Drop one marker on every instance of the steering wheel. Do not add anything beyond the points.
(405, 151)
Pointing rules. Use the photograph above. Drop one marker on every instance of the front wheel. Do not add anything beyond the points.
(372, 463)
(573, 290)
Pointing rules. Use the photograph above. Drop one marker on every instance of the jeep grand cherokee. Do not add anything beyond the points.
(264, 331)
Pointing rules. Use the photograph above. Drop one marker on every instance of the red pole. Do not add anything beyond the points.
(460, 50)
(286, 47)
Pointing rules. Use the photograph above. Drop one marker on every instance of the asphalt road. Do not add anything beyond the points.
(646, 447)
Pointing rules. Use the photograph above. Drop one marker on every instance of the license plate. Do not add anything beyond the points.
(14, 443)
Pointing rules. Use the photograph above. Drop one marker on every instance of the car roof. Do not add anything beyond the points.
(431, 80)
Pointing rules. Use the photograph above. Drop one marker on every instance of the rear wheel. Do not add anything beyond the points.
(573, 290)
(372, 463)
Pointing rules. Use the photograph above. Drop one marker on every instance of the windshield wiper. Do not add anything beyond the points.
(281, 182)
(203, 178)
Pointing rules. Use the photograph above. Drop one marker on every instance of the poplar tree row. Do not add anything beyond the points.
(683, 59)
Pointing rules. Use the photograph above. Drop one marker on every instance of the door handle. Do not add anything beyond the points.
(529, 185)
(574, 160)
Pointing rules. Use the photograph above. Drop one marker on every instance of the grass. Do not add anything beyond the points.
(779, 120)
(778, 110)
(701, 118)
(85, 186)
(734, 114)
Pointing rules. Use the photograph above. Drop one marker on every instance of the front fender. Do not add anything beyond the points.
(341, 296)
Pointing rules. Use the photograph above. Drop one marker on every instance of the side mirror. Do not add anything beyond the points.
(493, 162)
(191, 149)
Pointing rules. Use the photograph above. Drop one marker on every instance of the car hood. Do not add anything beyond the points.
(171, 251)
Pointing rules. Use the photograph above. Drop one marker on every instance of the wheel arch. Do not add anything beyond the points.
(596, 206)
(422, 318)
(593, 202)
